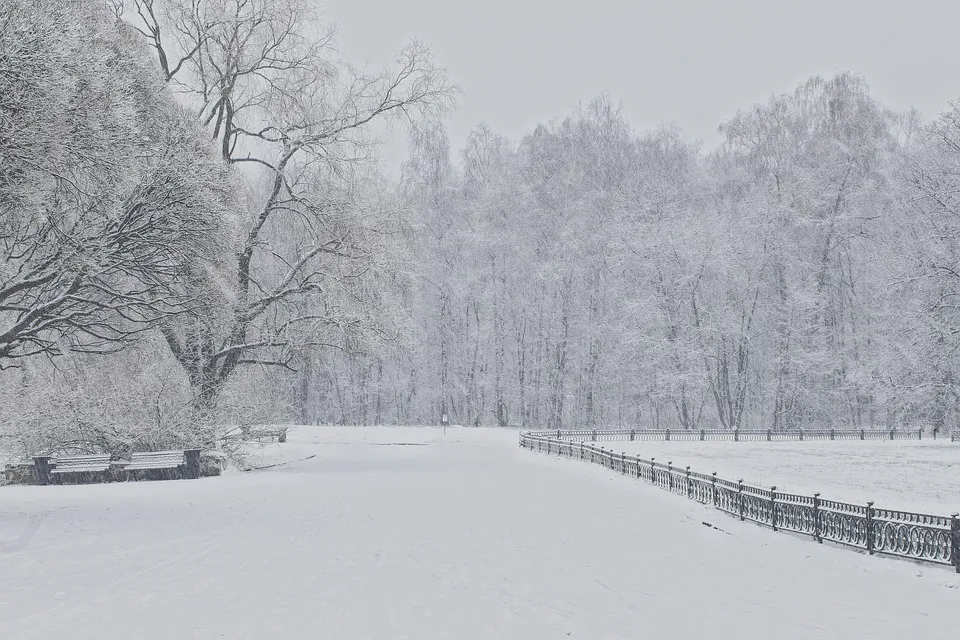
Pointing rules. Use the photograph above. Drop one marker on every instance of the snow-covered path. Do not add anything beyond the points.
(464, 537)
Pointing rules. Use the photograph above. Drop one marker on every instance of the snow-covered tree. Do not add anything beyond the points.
(112, 203)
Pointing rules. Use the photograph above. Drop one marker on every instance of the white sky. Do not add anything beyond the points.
(691, 62)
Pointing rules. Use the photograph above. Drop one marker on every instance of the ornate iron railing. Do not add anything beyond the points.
(916, 536)
(738, 435)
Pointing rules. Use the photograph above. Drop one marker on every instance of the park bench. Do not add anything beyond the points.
(248, 433)
(165, 464)
(270, 435)
(56, 470)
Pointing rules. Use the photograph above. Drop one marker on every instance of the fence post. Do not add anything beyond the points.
(801, 434)
(816, 518)
(670, 475)
(736, 435)
(713, 488)
(773, 507)
(831, 434)
(740, 498)
(623, 462)
(861, 434)
(919, 434)
(702, 434)
(955, 541)
(638, 466)
(668, 435)
(594, 435)
(632, 432)
(653, 465)
(870, 528)
(689, 488)
(768, 435)
(891, 434)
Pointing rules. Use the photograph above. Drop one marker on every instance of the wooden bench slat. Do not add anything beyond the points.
(156, 460)
(158, 454)
(80, 464)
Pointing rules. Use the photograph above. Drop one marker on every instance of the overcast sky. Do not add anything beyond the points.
(691, 62)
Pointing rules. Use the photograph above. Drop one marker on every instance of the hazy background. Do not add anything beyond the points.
(521, 62)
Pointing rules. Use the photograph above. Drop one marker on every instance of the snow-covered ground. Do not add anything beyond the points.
(466, 536)
(303, 443)
(903, 474)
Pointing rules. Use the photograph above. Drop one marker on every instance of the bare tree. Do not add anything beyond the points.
(277, 100)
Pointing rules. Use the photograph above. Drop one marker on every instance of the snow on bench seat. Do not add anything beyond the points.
(156, 460)
(81, 464)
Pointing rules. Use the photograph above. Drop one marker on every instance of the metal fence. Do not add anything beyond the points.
(916, 536)
(740, 435)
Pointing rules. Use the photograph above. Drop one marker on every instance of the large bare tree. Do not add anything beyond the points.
(287, 110)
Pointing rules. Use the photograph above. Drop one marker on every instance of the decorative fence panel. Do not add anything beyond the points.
(917, 536)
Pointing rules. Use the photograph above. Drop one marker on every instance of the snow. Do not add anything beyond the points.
(911, 475)
(262, 455)
(6, 453)
(466, 536)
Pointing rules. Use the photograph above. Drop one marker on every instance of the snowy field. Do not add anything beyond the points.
(903, 474)
(406, 534)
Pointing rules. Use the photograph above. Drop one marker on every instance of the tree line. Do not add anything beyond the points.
(196, 232)
(802, 274)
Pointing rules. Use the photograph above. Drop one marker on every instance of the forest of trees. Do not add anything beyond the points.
(196, 232)
(802, 274)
